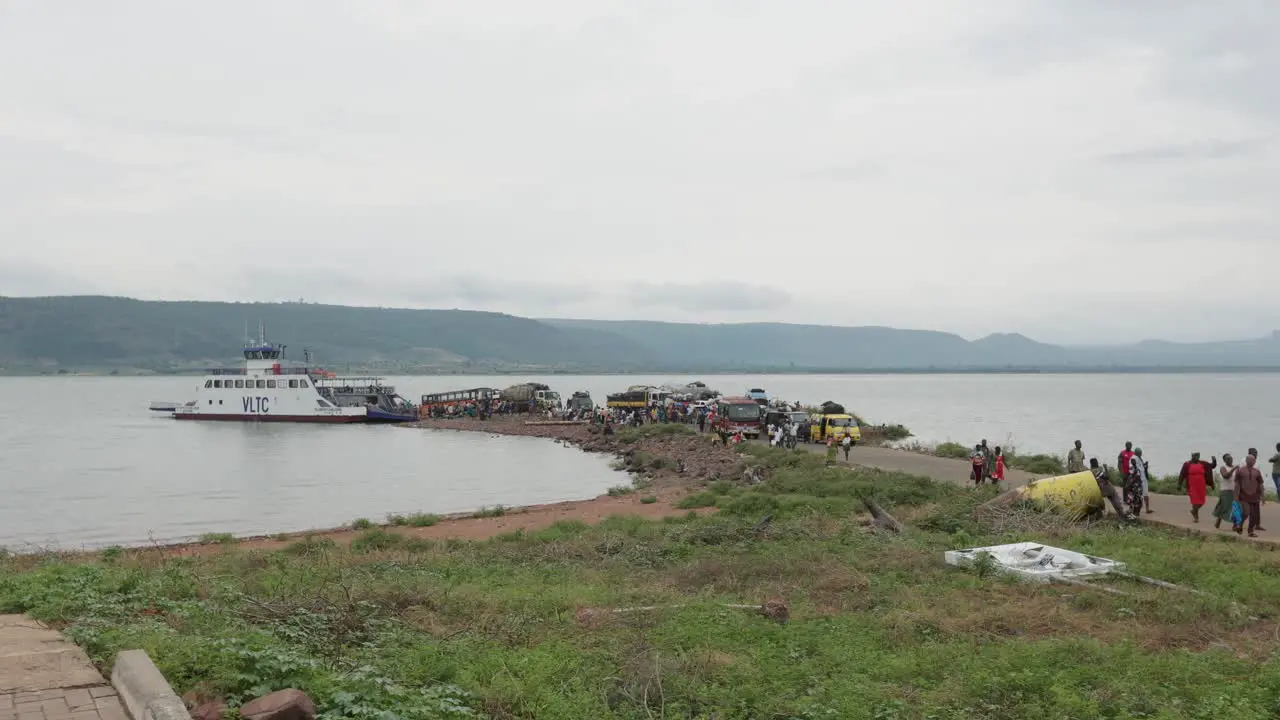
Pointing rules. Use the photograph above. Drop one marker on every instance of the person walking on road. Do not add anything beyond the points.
(978, 461)
(988, 460)
(845, 444)
(997, 476)
(1142, 469)
(1226, 492)
(1249, 489)
(1135, 487)
(1195, 476)
(1275, 469)
(1075, 458)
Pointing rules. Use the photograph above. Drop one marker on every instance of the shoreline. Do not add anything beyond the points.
(651, 457)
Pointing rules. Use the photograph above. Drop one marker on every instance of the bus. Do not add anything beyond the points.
(738, 414)
(479, 397)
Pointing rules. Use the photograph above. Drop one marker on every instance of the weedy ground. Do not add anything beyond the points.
(522, 626)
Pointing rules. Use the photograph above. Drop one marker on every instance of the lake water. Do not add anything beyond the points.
(83, 462)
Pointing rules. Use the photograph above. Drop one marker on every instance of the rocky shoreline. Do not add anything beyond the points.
(664, 453)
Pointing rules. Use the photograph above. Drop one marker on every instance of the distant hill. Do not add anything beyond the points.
(95, 333)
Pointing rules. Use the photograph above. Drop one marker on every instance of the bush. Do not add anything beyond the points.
(217, 539)
(620, 490)
(310, 544)
(1038, 464)
(698, 500)
(376, 539)
(648, 500)
(361, 524)
(490, 512)
(952, 450)
(414, 520)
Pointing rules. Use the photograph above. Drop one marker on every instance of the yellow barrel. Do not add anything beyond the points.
(1075, 495)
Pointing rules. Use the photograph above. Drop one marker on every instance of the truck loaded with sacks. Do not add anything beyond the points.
(527, 397)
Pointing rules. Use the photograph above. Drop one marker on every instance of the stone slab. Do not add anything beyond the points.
(35, 658)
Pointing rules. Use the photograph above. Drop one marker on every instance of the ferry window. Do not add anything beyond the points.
(271, 383)
(239, 383)
(217, 383)
(262, 383)
(293, 383)
(302, 383)
(208, 383)
(322, 403)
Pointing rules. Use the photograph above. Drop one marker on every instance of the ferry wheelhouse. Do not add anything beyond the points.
(265, 389)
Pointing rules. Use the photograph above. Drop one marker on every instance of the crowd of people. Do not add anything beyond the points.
(1240, 488)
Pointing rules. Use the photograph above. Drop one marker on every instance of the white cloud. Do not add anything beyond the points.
(997, 167)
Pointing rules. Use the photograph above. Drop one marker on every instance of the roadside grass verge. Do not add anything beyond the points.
(522, 625)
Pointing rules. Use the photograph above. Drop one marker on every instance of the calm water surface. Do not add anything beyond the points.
(83, 462)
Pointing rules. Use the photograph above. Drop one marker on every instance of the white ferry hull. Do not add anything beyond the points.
(337, 418)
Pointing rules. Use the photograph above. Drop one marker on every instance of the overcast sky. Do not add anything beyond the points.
(1076, 170)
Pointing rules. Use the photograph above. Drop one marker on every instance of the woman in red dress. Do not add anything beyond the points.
(1196, 476)
(997, 476)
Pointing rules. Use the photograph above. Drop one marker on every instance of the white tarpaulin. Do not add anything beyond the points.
(1035, 561)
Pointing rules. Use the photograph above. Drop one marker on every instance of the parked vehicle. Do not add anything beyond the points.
(837, 425)
(637, 396)
(581, 401)
(758, 395)
(738, 414)
(531, 396)
(475, 397)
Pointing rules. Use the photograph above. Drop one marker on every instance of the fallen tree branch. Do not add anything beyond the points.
(882, 518)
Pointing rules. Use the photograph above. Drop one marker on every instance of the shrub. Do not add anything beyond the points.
(112, 553)
(951, 450)
(217, 539)
(648, 500)
(414, 520)
(376, 539)
(310, 544)
(620, 490)
(1039, 464)
(490, 512)
(361, 524)
(698, 500)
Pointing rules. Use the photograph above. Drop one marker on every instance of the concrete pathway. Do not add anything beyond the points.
(44, 676)
(1173, 510)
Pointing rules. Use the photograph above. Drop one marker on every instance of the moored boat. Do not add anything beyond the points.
(267, 390)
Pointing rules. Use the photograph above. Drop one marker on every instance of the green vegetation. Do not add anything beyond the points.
(414, 520)
(522, 626)
(361, 524)
(490, 512)
(217, 539)
(633, 435)
(620, 490)
(952, 450)
(648, 500)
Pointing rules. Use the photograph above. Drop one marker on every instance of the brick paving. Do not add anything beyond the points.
(98, 702)
(43, 676)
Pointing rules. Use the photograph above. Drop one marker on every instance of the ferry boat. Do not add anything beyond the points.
(267, 390)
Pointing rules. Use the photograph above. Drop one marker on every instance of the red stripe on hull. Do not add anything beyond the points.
(274, 418)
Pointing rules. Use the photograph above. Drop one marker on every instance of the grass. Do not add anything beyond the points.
(414, 520)
(879, 626)
(620, 490)
(217, 539)
(490, 512)
(361, 524)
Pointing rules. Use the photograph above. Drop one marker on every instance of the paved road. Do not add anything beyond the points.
(1172, 510)
(45, 677)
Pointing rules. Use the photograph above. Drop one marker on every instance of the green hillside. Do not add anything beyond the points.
(80, 332)
(95, 333)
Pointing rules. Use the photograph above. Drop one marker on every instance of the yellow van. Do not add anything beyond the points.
(835, 425)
